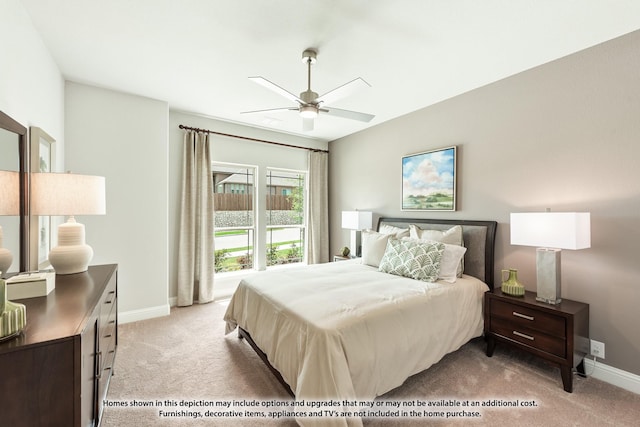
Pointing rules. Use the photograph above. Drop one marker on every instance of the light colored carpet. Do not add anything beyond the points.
(186, 356)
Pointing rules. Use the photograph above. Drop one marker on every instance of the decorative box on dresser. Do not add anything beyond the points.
(57, 372)
(557, 333)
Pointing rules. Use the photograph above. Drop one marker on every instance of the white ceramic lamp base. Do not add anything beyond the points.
(72, 255)
(6, 259)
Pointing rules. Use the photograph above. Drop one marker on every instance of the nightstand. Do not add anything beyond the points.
(340, 258)
(557, 333)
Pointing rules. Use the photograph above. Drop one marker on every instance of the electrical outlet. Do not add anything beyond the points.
(597, 349)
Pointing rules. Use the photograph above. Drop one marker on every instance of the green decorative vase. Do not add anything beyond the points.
(13, 316)
(510, 284)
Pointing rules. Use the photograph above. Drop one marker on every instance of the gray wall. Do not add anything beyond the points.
(565, 136)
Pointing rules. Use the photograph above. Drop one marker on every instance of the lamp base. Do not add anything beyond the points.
(548, 275)
(73, 254)
(356, 248)
(6, 259)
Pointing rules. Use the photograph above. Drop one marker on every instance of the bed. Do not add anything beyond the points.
(348, 331)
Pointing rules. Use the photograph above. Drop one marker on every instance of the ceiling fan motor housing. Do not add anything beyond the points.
(308, 96)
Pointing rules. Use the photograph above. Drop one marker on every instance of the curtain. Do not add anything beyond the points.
(318, 230)
(195, 248)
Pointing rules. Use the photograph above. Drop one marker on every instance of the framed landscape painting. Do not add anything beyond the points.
(43, 156)
(429, 180)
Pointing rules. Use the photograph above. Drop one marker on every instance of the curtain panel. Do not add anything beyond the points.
(196, 243)
(318, 230)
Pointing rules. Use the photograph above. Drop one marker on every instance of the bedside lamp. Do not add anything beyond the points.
(356, 221)
(9, 206)
(550, 232)
(68, 194)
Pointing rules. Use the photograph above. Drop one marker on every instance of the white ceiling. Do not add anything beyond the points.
(198, 54)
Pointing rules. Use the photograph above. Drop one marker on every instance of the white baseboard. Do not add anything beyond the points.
(143, 314)
(611, 375)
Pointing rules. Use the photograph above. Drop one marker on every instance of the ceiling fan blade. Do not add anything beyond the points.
(343, 91)
(270, 110)
(307, 125)
(277, 89)
(347, 114)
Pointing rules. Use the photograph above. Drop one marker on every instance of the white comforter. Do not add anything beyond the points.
(344, 330)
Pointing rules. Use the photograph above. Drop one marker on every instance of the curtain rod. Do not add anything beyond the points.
(252, 139)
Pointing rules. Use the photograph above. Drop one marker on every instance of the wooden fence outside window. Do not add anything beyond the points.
(244, 202)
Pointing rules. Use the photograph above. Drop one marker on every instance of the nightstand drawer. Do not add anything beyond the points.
(519, 316)
(530, 337)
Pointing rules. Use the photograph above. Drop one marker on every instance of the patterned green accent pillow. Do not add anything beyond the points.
(413, 259)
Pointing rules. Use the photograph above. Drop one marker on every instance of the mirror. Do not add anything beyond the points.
(43, 159)
(13, 157)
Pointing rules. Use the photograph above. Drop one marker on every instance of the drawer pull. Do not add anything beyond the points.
(108, 336)
(520, 334)
(108, 302)
(98, 373)
(524, 316)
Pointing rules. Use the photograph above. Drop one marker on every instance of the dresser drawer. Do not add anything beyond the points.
(108, 300)
(520, 316)
(108, 356)
(107, 329)
(531, 337)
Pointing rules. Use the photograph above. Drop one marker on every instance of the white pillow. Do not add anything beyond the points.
(395, 231)
(451, 262)
(452, 236)
(373, 247)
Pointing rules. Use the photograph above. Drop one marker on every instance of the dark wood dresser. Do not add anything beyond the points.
(57, 372)
(557, 333)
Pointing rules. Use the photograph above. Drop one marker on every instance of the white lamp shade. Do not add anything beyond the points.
(67, 194)
(357, 220)
(559, 230)
(9, 193)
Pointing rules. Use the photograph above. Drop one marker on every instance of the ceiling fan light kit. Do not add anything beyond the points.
(308, 112)
(309, 103)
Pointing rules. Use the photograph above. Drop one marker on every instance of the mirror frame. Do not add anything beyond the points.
(11, 125)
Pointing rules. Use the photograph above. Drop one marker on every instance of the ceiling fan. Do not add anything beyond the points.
(309, 103)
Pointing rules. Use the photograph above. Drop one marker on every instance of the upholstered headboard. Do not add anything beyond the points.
(478, 236)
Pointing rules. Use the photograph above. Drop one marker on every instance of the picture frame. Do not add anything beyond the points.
(42, 159)
(429, 180)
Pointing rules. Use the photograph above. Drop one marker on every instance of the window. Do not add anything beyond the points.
(286, 222)
(235, 195)
(233, 201)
